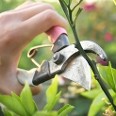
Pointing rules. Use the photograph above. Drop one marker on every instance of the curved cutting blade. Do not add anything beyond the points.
(78, 70)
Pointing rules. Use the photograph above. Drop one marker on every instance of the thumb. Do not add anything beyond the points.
(24, 75)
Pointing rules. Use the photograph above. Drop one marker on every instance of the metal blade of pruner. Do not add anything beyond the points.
(78, 70)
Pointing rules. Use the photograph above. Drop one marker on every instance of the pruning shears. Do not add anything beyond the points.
(66, 61)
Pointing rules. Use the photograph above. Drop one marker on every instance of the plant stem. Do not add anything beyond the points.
(69, 15)
(93, 67)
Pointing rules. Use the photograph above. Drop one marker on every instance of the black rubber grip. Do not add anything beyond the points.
(42, 74)
(61, 42)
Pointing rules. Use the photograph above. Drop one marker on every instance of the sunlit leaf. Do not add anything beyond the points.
(8, 112)
(50, 105)
(52, 90)
(52, 96)
(114, 98)
(98, 103)
(13, 104)
(27, 100)
(44, 113)
(65, 110)
(16, 96)
(91, 94)
(109, 75)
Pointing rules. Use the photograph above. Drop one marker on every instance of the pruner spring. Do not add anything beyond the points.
(33, 52)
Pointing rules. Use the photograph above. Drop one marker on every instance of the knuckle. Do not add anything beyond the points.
(50, 14)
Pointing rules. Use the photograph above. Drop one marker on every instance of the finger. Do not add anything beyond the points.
(35, 9)
(30, 28)
(41, 23)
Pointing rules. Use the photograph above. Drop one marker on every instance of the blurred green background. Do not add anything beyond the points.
(96, 23)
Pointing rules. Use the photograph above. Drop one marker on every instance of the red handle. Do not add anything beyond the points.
(55, 32)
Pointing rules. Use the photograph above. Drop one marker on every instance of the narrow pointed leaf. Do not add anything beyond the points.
(52, 90)
(50, 105)
(114, 98)
(65, 110)
(90, 94)
(13, 104)
(27, 100)
(52, 96)
(98, 103)
(8, 112)
(43, 113)
(16, 96)
(108, 74)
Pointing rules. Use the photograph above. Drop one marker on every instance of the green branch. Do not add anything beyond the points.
(76, 5)
(69, 14)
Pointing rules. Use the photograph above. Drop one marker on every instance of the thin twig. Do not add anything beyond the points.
(76, 5)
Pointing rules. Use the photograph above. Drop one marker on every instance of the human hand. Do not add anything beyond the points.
(17, 28)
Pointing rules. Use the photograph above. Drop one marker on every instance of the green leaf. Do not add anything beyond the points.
(52, 96)
(50, 105)
(65, 110)
(96, 105)
(15, 96)
(114, 98)
(90, 94)
(52, 90)
(27, 100)
(44, 113)
(13, 104)
(7, 112)
(108, 74)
